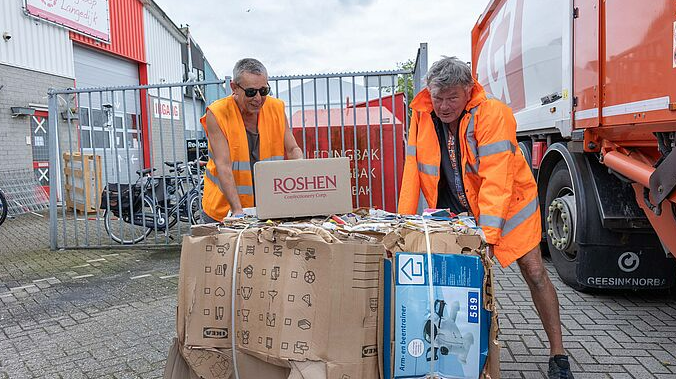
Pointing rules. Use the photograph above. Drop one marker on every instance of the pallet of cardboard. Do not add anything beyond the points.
(309, 303)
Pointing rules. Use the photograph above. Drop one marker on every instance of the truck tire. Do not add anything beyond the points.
(560, 223)
(526, 149)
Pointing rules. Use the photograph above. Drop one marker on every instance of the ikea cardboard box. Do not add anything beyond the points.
(301, 295)
(303, 187)
(183, 363)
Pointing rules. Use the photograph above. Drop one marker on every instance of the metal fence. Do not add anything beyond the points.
(120, 157)
(361, 116)
(120, 171)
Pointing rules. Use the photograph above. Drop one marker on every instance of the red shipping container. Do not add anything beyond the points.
(395, 102)
(387, 160)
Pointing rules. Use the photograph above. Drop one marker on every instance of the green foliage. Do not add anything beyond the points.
(405, 82)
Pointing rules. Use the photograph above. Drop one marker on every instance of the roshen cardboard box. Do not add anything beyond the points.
(303, 187)
(465, 331)
(304, 299)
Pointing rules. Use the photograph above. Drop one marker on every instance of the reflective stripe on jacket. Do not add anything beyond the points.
(271, 128)
(499, 185)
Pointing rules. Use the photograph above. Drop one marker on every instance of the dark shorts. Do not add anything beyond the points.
(206, 219)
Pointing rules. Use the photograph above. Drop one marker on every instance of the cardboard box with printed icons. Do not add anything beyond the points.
(303, 299)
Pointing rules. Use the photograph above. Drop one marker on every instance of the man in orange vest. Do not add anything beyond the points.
(462, 153)
(242, 129)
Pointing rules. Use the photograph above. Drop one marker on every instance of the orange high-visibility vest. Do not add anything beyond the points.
(500, 188)
(271, 128)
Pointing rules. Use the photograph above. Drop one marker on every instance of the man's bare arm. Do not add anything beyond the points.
(290, 146)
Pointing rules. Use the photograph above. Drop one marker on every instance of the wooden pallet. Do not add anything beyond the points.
(82, 173)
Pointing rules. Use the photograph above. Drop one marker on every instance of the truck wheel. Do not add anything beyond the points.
(560, 223)
(526, 149)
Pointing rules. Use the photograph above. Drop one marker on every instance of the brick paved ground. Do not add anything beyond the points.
(82, 313)
(110, 314)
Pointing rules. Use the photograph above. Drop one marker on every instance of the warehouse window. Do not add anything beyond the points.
(96, 132)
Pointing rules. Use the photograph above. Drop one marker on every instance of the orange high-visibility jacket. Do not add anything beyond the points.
(499, 185)
(271, 128)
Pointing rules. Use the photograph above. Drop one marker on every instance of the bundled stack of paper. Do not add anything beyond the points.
(340, 297)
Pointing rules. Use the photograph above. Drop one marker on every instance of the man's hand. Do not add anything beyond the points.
(234, 213)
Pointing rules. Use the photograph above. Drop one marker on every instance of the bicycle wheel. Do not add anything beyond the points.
(4, 208)
(194, 209)
(126, 233)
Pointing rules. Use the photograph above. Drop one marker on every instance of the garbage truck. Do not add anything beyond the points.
(592, 85)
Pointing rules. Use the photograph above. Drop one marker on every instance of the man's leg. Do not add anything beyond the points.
(544, 296)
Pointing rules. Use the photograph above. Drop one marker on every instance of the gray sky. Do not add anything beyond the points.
(321, 36)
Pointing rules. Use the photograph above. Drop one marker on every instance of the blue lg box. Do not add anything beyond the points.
(461, 326)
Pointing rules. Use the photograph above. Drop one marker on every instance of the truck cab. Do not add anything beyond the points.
(592, 85)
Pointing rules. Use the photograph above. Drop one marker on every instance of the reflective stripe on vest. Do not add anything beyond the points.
(520, 216)
(472, 168)
(241, 190)
(236, 165)
(214, 180)
(411, 150)
(513, 222)
(428, 169)
(496, 147)
(471, 141)
(492, 221)
(486, 150)
(274, 158)
(240, 166)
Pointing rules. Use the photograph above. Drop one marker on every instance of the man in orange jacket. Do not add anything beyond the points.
(462, 153)
(242, 129)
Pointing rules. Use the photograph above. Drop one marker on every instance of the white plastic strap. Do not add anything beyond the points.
(431, 296)
(233, 333)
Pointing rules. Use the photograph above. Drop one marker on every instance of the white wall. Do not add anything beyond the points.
(35, 45)
(163, 55)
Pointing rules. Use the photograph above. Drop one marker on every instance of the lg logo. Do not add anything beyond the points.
(628, 262)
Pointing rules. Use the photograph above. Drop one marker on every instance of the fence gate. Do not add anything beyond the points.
(121, 174)
(362, 116)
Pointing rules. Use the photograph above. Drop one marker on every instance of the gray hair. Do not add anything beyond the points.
(449, 72)
(250, 65)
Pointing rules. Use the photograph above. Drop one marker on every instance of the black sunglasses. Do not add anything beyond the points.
(251, 92)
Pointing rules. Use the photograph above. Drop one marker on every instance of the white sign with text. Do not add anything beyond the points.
(166, 109)
(88, 17)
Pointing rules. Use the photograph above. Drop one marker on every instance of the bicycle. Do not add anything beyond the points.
(134, 211)
(4, 208)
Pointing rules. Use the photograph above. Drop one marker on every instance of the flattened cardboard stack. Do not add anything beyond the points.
(308, 299)
(301, 296)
